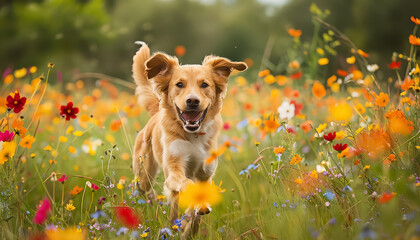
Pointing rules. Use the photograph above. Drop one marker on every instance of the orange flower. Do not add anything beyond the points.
(398, 123)
(389, 159)
(27, 141)
(414, 40)
(318, 90)
(115, 125)
(76, 190)
(306, 126)
(180, 51)
(278, 150)
(19, 129)
(374, 143)
(271, 124)
(407, 84)
(295, 159)
(362, 53)
(294, 32)
(382, 100)
(386, 197)
(415, 20)
(263, 73)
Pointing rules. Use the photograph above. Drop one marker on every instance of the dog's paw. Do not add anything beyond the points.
(177, 184)
(203, 210)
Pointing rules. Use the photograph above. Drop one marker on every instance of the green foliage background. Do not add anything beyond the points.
(98, 35)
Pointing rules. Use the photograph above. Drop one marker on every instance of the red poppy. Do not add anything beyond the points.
(63, 178)
(69, 111)
(127, 217)
(330, 136)
(16, 103)
(296, 75)
(342, 73)
(340, 147)
(395, 65)
(298, 107)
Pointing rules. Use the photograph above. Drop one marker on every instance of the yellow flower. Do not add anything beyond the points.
(351, 60)
(19, 73)
(340, 135)
(340, 112)
(199, 195)
(321, 127)
(33, 69)
(72, 149)
(240, 81)
(144, 235)
(66, 234)
(78, 133)
(323, 61)
(48, 148)
(269, 79)
(160, 198)
(27, 141)
(314, 174)
(69, 130)
(360, 108)
(69, 207)
(298, 181)
(62, 139)
(366, 167)
(7, 152)
(295, 159)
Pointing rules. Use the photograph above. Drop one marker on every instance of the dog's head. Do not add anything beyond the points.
(192, 92)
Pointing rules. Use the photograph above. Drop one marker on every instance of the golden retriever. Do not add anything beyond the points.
(184, 102)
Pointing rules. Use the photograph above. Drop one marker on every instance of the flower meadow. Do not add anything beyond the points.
(322, 144)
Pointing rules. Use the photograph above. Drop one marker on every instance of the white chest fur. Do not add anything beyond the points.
(195, 150)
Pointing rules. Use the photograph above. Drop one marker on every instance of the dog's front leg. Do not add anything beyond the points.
(175, 181)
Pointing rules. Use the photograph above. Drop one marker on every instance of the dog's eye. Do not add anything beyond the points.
(204, 85)
(180, 85)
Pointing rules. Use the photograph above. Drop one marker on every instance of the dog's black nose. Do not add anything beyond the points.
(193, 102)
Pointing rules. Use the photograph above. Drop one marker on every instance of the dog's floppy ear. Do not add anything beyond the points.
(160, 63)
(222, 68)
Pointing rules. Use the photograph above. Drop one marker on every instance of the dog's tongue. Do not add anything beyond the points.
(191, 116)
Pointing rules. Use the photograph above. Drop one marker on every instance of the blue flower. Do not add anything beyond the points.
(329, 195)
(333, 221)
(98, 214)
(347, 188)
(122, 230)
(141, 201)
(178, 223)
(165, 232)
(242, 123)
(367, 233)
(275, 204)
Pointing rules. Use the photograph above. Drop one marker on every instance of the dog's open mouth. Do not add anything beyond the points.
(191, 119)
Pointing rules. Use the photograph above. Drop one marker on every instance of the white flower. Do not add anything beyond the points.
(372, 68)
(286, 110)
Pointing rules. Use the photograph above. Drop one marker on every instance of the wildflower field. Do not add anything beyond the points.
(322, 144)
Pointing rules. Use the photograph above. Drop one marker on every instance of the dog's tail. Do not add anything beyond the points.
(144, 90)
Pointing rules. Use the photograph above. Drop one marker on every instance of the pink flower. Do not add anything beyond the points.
(42, 212)
(63, 178)
(94, 187)
(6, 136)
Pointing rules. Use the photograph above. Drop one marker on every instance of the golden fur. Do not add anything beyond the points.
(167, 140)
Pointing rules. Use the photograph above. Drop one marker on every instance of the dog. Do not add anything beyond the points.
(184, 103)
